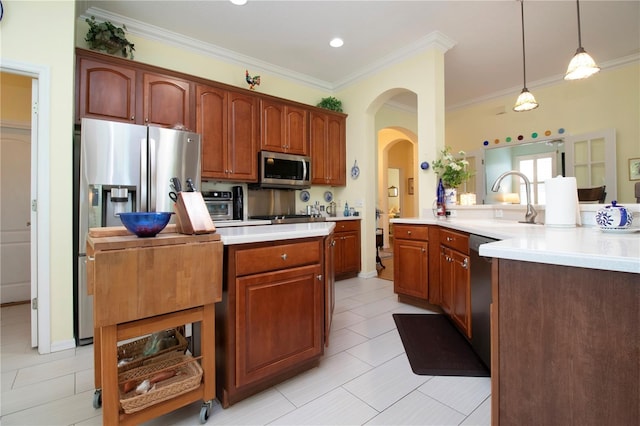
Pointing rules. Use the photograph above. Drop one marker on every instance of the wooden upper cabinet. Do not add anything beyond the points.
(227, 122)
(113, 89)
(243, 137)
(283, 128)
(167, 101)
(211, 113)
(328, 149)
(105, 91)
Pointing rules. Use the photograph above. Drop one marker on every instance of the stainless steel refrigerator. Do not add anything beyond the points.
(122, 168)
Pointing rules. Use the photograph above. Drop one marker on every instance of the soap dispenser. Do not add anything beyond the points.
(346, 209)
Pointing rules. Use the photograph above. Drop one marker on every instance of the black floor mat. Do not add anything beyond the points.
(436, 348)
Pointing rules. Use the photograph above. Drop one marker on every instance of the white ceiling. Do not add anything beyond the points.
(290, 38)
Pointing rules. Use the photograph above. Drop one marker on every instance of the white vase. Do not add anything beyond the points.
(450, 197)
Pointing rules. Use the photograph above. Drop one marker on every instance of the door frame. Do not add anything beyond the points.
(40, 190)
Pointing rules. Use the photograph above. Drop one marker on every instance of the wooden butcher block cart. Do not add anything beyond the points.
(142, 286)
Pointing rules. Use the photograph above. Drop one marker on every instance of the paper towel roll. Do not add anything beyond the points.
(562, 202)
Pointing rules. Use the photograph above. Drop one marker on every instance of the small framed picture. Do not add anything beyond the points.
(634, 168)
(410, 186)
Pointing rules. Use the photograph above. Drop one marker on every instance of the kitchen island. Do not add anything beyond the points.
(277, 301)
(565, 341)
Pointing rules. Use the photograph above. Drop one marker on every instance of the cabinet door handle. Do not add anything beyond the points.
(408, 232)
(450, 239)
(465, 263)
(319, 277)
(284, 256)
(133, 117)
(423, 250)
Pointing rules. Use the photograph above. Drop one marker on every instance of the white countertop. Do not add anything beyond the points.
(336, 218)
(581, 246)
(261, 233)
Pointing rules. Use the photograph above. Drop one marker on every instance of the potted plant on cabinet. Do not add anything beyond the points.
(106, 37)
(331, 103)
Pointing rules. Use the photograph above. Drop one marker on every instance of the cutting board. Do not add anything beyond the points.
(192, 216)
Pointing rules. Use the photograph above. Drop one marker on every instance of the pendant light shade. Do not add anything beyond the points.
(526, 101)
(582, 65)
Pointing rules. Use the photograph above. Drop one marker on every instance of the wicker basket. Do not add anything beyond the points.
(188, 378)
(135, 350)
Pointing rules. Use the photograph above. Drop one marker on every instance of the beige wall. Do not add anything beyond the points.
(41, 34)
(609, 99)
(15, 102)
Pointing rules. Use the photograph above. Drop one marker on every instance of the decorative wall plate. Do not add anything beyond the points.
(305, 196)
(355, 170)
(328, 196)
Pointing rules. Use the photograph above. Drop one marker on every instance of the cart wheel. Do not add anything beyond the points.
(204, 412)
(97, 398)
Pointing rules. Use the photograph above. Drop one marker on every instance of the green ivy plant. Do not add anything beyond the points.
(106, 37)
(331, 103)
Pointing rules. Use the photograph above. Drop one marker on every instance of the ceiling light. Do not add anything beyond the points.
(239, 2)
(336, 42)
(525, 101)
(582, 65)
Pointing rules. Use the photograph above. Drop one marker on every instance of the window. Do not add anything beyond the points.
(538, 168)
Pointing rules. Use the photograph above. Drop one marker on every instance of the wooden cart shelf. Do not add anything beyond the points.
(145, 285)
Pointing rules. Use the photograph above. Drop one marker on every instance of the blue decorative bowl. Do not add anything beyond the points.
(145, 224)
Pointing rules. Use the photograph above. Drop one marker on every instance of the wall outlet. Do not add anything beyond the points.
(498, 213)
(359, 203)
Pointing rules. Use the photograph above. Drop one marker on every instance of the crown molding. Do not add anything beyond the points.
(435, 39)
(545, 82)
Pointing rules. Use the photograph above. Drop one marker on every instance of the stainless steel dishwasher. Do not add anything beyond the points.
(480, 298)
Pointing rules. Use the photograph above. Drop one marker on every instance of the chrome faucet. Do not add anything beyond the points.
(531, 213)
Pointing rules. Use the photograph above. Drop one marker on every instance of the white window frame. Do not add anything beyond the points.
(534, 179)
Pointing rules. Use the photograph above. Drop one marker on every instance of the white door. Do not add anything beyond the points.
(15, 213)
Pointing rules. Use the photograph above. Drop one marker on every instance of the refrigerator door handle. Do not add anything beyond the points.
(145, 163)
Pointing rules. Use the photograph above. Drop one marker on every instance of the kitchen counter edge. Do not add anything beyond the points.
(582, 246)
(264, 233)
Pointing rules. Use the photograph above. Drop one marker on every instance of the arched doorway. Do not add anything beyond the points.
(397, 193)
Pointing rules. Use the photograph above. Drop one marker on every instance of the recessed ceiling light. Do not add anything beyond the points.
(336, 42)
(239, 2)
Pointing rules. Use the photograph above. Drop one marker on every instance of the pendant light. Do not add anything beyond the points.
(526, 101)
(582, 65)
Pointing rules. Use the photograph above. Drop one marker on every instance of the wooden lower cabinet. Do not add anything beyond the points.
(431, 265)
(565, 345)
(411, 261)
(347, 249)
(272, 315)
(455, 278)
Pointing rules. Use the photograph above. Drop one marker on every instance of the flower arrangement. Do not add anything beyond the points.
(452, 171)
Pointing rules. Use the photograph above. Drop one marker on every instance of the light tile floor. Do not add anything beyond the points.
(363, 378)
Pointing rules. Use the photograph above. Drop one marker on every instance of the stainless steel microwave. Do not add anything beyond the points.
(279, 170)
